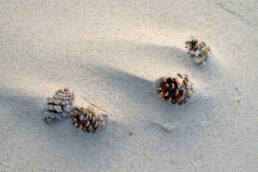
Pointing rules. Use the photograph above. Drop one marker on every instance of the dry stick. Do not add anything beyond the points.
(98, 107)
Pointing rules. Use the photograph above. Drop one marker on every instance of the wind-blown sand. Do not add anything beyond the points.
(111, 53)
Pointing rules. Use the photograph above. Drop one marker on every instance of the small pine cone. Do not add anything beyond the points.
(175, 89)
(198, 50)
(86, 120)
(59, 105)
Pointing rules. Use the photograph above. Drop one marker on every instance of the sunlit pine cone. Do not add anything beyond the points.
(86, 120)
(176, 89)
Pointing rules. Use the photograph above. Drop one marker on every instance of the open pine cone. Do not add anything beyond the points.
(86, 120)
(175, 89)
(198, 49)
(59, 105)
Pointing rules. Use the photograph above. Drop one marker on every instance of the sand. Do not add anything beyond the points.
(111, 53)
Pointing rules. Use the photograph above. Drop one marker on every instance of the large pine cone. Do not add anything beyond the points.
(175, 89)
(86, 120)
(198, 49)
(59, 105)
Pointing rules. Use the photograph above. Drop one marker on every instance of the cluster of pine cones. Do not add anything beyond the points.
(175, 89)
(60, 107)
(179, 89)
(199, 49)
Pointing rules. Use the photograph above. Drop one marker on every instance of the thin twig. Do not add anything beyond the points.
(97, 107)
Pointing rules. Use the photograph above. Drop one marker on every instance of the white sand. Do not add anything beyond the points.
(111, 53)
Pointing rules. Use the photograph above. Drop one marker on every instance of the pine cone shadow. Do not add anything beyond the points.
(139, 92)
(138, 97)
(168, 56)
(173, 56)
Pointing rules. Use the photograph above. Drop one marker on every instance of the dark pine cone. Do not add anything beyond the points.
(59, 105)
(86, 120)
(175, 89)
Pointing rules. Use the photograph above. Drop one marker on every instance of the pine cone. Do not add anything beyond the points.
(86, 120)
(59, 105)
(198, 49)
(175, 89)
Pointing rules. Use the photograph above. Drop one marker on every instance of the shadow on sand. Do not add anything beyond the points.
(127, 93)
